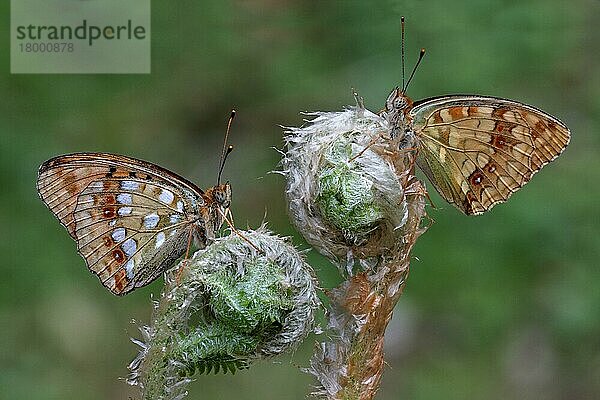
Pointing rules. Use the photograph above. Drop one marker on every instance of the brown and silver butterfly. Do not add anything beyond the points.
(131, 219)
(476, 150)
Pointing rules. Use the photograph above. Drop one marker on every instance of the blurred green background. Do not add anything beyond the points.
(506, 305)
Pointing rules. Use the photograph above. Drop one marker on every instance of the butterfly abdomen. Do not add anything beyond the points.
(164, 257)
(201, 239)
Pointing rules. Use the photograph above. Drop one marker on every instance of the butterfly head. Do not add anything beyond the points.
(397, 101)
(396, 111)
(222, 195)
(217, 200)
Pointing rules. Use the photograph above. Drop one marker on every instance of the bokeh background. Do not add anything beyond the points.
(506, 305)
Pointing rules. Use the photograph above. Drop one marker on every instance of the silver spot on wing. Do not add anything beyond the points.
(166, 196)
(118, 234)
(124, 198)
(151, 220)
(124, 211)
(129, 185)
(129, 247)
(129, 268)
(160, 239)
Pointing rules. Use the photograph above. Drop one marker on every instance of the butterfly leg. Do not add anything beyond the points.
(430, 200)
(230, 223)
(371, 143)
(228, 213)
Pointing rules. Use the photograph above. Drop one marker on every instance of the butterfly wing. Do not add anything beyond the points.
(477, 151)
(131, 219)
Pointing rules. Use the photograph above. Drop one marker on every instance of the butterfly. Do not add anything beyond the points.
(476, 150)
(131, 219)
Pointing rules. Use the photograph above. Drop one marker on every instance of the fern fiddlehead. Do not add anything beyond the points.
(233, 305)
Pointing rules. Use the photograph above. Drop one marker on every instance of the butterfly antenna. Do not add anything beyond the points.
(421, 54)
(226, 149)
(402, 51)
(227, 152)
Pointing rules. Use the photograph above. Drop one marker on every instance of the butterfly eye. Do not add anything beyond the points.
(399, 102)
(221, 198)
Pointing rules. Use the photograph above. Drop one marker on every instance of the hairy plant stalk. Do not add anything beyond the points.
(353, 195)
(350, 364)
